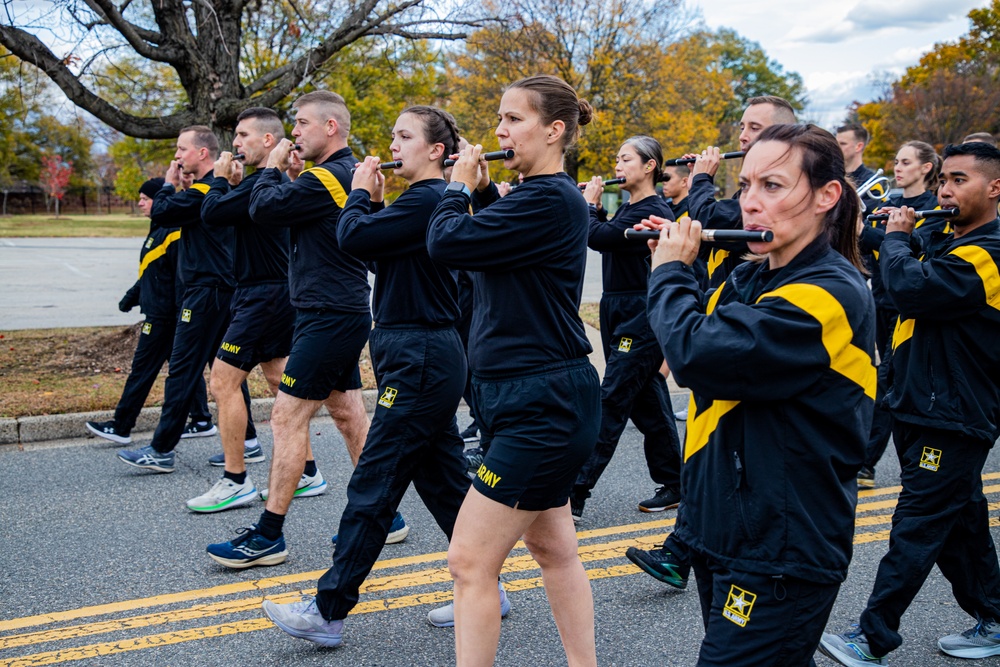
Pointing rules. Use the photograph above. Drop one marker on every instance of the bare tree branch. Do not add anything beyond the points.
(135, 36)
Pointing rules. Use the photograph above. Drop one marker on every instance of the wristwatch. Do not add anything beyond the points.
(458, 186)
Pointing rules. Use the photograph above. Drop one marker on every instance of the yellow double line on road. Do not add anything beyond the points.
(208, 607)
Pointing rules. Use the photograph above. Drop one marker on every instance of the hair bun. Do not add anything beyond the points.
(586, 112)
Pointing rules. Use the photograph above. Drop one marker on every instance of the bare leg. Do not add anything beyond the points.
(485, 532)
(226, 380)
(290, 425)
(348, 411)
(551, 539)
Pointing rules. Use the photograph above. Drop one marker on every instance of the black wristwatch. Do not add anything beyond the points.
(458, 186)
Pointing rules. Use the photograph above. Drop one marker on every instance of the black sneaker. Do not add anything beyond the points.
(661, 564)
(108, 431)
(576, 507)
(473, 458)
(866, 478)
(199, 429)
(664, 499)
(471, 434)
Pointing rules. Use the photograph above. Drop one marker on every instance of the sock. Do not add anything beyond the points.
(238, 477)
(270, 525)
(310, 468)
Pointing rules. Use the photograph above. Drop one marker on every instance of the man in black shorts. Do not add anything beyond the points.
(206, 269)
(260, 329)
(330, 292)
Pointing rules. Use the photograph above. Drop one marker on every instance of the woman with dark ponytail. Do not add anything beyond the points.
(536, 394)
(780, 362)
(632, 386)
(917, 167)
(419, 365)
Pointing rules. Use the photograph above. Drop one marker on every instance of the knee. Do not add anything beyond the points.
(282, 416)
(550, 553)
(466, 566)
(347, 408)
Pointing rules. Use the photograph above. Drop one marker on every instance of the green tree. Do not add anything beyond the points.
(127, 183)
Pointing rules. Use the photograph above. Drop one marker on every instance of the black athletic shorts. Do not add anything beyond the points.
(261, 326)
(543, 426)
(326, 349)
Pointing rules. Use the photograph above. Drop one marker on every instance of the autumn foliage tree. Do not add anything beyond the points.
(54, 177)
(952, 92)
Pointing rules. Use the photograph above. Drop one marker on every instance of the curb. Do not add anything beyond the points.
(68, 426)
(63, 427)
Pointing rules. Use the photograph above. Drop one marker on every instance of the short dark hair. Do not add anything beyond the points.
(984, 137)
(268, 120)
(683, 170)
(783, 110)
(333, 105)
(203, 138)
(860, 133)
(985, 155)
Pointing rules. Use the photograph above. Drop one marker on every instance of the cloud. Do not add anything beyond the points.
(869, 18)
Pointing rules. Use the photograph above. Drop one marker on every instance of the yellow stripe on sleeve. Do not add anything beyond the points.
(203, 188)
(986, 268)
(158, 251)
(845, 358)
(331, 183)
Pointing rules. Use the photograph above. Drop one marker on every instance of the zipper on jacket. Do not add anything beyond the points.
(739, 469)
(933, 393)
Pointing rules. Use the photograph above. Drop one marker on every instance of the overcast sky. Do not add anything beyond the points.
(836, 45)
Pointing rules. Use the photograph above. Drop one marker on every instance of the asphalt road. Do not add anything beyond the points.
(102, 564)
(77, 282)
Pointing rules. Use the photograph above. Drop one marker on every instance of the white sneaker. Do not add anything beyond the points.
(308, 486)
(444, 617)
(225, 494)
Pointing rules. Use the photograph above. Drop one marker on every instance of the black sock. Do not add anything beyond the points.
(310, 468)
(270, 525)
(238, 477)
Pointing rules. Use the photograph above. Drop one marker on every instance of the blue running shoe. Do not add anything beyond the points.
(850, 648)
(303, 620)
(248, 549)
(147, 458)
(397, 531)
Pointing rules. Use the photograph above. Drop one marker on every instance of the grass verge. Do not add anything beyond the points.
(114, 225)
(56, 371)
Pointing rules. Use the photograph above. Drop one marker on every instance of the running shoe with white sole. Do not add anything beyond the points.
(199, 429)
(224, 495)
(309, 485)
(148, 458)
(444, 617)
(249, 549)
(850, 648)
(981, 641)
(108, 431)
(397, 531)
(303, 621)
(252, 453)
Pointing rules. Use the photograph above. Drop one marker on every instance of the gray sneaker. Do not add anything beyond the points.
(444, 617)
(981, 641)
(303, 620)
(252, 453)
(850, 648)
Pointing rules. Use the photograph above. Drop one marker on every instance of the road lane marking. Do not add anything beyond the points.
(521, 563)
